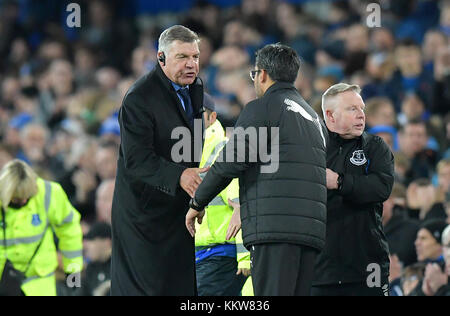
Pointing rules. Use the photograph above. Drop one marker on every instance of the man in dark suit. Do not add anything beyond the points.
(153, 254)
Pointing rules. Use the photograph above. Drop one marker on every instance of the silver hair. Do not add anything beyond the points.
(335, 90)
(175, 33)
(445, 234)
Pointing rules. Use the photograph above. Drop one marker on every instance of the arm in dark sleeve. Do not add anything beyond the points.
(376, 186)
(137, 145)
(232, 162)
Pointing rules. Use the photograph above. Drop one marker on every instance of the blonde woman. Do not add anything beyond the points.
(31, 210)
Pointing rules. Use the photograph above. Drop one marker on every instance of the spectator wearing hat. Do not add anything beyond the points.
(429, 241)
(12, 132)
(97, 245)
(222, 262)
(388, 133)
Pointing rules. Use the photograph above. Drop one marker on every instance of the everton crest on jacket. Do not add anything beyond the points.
(354, 238)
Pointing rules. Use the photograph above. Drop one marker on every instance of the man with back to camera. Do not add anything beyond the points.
(152, 252)
(360, 176)
(283, 210)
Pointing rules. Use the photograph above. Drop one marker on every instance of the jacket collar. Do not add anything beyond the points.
(278, 85)
(195, 91)
(364, 138)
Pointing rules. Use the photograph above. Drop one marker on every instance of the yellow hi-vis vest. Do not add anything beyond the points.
(47, 212)
(213, 229)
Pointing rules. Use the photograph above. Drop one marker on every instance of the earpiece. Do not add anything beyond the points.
(162, 58)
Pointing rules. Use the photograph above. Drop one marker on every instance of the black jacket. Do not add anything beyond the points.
(355, 236)
(286, 205)
(153, 253)
(401, 234)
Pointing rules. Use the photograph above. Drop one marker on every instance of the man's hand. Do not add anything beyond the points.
(395, 268)
(190, 220)
(332, 178)
(434, 278)
(190, 179)
(245, 272)
(235, 222)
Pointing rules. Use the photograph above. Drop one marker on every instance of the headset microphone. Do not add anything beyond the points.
(162, 58)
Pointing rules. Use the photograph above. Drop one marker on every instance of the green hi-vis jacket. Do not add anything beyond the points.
(218, 213)
(47, 212)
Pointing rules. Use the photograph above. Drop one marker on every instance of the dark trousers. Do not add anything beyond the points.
(281, 269)
(216, 276)
(351, 289)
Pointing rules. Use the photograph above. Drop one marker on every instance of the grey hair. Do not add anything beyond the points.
(445, 234)
(17, 180)
(176, 33)
(335, 90)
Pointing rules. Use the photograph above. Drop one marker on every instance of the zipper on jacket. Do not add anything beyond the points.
(340, 149)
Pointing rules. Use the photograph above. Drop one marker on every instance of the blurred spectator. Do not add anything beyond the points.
(400, 231)
(53, 101)
(433, 42)
(79, 179)
(412, 109)
(441, 88)
(429, 243)
(380, 111)
(12, 132)
(436, 280)
(106, 160)
(6, 155)
(33, 141)
(103, 201)
(402, 166)
(422, 201)
(413, 137)
(388, 134)
(410, 76)
(443, 173)
(412, 278)
(97, 246)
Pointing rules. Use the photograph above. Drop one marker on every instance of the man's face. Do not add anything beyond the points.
(384, 116)
(106, 163)
(426, 246)
(348, 114)
(256, 82)
(408, 58)
(414, 138)
(446, 250)
(182, 63)
(444, 177)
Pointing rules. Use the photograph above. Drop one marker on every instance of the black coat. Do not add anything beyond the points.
(401, 234)
(286, 205)
(355, 237)
(153, 253)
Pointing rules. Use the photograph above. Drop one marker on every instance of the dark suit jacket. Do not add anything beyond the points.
(153, 253)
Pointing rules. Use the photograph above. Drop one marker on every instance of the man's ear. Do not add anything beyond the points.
(213, 117)
(329, 116)
(264, 76)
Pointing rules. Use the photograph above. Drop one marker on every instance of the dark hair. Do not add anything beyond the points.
(414, 122)
(407, 42)
(280, 61)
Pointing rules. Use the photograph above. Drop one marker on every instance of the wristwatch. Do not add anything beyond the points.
(340, 181)
(194, 205)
